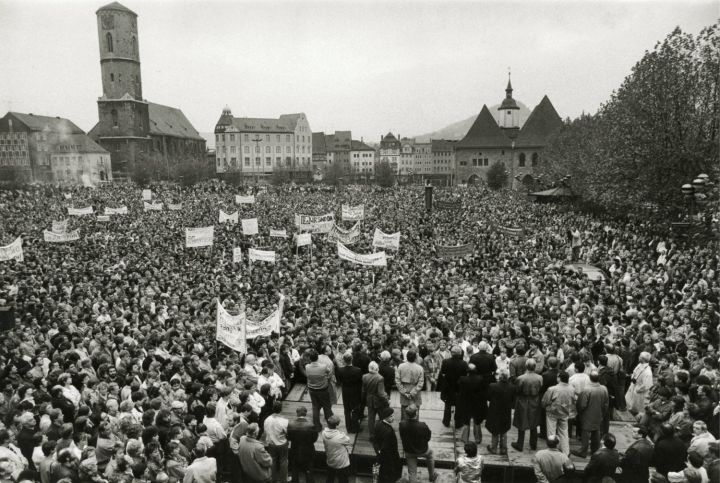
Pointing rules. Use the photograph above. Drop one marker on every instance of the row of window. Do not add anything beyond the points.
(363, 155)
(12, 153)
(258, 161)
(14, 161)
(257, 137)
(268, 149)
(12, 141)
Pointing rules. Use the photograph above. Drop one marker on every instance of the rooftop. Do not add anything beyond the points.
(170, 121)
(116, 6)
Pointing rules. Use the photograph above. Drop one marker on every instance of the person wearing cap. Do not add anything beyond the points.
(415, 436)
(386, 448)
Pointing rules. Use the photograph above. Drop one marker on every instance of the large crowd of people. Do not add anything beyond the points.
(110, 371)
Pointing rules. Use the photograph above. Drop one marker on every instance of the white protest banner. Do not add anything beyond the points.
(237, 255)
(199, 237)
(51, 237)
(232, 218)
(122, 210)
(262, 255)
(278, 233)
(231, 329)
(103, 218)
(240, 200)
(146, 195)
(174, 207)
(270, 324)
(59, 226)
(12, 251)
(315, 224)
(372, 259)
(383, 240)
(250, 226)
(152, 206)
(346, 237)
(353, 213)
(303, 239)
(88, 210)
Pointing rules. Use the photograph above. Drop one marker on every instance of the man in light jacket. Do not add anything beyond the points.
(256, 462)
(203, 469)
(337, 451)
(409, 379)
(559, 404)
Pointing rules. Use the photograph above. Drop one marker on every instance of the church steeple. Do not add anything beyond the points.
(508, 89)
(510, 117)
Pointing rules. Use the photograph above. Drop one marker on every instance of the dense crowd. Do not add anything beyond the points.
(112, 372)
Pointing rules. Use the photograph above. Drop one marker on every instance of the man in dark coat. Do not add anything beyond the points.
(636, 462)
(373, 395)
(527, 406)
(501, 397)
(386, 448)
(361, 359)
(471, 403)
(350, 379)
(603, 462)
(415, 436)
(450, 373)
(592, 404)
(387, 371)
(670, 452)
(484, 362)
(302, 435)
(609, 380)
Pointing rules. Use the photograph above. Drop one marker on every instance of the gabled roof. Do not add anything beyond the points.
(542, 123)
(53, 124)
(116, 6)
(170, 121)
(389, 137)
(286, 123)
(318, 143)
(360, 146)
(484, 133)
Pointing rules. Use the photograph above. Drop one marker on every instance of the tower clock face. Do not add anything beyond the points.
(108, 21)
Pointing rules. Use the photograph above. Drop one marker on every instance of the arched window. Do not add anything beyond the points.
(521, 163)
(114, 115)
(109, 42)
(535, 159)
(134, 46)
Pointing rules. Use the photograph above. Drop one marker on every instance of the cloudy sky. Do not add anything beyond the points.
(365, 66)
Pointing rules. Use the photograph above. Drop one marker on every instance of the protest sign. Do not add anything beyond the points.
(372, 259)
(224, 217)
(346, 237)
(122, 210)
(67, 196)
(237, 255)
(240, 200)
(315, 224)
(447, 205)
(511, 231)
(261, 255)
(59, 226)
(199, 237)
(51, 237)
(13, 251)
(103, 218)
(455, 252)
(353, 213)
(146, 195)
(152, 206)
(303, 239)
(383, 240)
(88, 210)
(231, 329)
(250, 226)
(265, 327)
(174, 207)
(278, 233)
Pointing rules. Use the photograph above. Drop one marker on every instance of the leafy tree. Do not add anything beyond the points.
(384, 174)
(333, 174)
(497, 176)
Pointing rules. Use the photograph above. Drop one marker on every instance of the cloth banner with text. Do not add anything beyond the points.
(13, 251)
(383, 240)
(152, 206)
(455, 252)
(231, 329)
(303, 239)
(51, 237)
(261, 255)
(122, 210)
(346, 237)
(146, 195)
(315, 224)
(506, 230)
(103, 218)
(250, 226)
(174, 206)
(244, 200)
(353, 213)
(378, 259)
(59, 226)
(278, 233)
(199, 237)
(267, 326)
(447, 205)
(88, 210)
(225, 217)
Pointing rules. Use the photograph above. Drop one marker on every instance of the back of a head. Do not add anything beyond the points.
(277, 407)
(579, 367)
(470, 449)
(411, 411)
(563, 376)
(347, 359)
(252, 430)
(594, 376)
(552, 362)
(695, 459)
(552, 441)
(411, 356)
(301, 411)
(530, 364)
(609, 440)
(333, 422)
(373, 367)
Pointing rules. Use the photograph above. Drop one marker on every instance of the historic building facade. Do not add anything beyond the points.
(443, 161)
(389, 151)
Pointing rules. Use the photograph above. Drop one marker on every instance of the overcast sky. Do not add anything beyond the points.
(369, 66)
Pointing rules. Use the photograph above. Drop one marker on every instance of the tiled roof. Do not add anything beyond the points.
(116, 6)
(542, 123)
(440, 145)
(389, 137)
(484, 133)
(169, 121)
(286, 123)
(53, 124)
(360, 146)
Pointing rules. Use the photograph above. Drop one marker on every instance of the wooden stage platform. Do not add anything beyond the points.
(446, 443)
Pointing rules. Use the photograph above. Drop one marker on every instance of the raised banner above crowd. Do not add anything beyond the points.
(456, 251)
(511, 231)
(237, 255)
(199, 237)
(244, 200)
(250, 226)
(261, 255)
(303, 239)
(447, 205)
(353, 213)
(267, 326)
(59, 226)
(315, 224)
(378, 259)
(88, 210)
(231, 329)
(346, 237)
(13, 251)
(103, 218)
(152, 206)
(225, 217)
(146, 195)
(383, 240)
(51, 237)
(174, 206)
(278, 233)
(122, 210)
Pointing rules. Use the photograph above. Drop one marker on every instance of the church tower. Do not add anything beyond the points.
(509, 113)
(124, 124)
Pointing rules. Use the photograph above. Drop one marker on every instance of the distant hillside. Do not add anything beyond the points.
(457, 130)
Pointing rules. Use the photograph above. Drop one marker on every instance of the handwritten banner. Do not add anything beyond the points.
(88, 210)
(231, 329)
(246, 200)
(51, 237)
(353, 213)
(378, 259)
(303, 239)
(122, 210)
(455, 252)
(250, 226)
(278, 233)
(346, 237)
(146, 195)
(199, 237)
(224, 217)
(13, 251)
(511, 231)
(103, 218)
(383, 240)
(59, 226)
(315, 224)
(261, 255)
(174, 207)
(152, 206)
